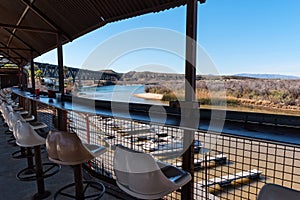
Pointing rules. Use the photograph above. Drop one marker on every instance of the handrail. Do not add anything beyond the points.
(281, 128)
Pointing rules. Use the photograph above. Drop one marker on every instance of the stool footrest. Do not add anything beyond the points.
(20, 155)
(29, 174)
(12, 142)
(8, 132)
(91, 189)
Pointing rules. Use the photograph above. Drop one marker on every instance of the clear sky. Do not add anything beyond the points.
(240, 36)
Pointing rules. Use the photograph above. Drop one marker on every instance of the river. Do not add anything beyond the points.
(124, 93)
(120, 93)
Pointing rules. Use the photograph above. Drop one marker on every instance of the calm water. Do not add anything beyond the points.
(124, 93)
(121, 93)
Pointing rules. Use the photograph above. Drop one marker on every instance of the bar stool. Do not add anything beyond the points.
(27, 137)
(29, 173)
(143, 177)
(12, 118)
(277, 192)
(5, 112)
(66, 148)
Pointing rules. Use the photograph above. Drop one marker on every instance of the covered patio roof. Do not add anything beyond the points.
(30, 28)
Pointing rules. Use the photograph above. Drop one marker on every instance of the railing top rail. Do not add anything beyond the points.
(278, 128)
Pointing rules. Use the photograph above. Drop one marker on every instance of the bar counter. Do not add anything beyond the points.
(129, 111)
(165, 115)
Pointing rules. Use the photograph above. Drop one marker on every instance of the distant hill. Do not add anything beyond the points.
(268, 76)
(146, 76)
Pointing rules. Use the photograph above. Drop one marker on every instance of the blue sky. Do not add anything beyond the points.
(240, 36)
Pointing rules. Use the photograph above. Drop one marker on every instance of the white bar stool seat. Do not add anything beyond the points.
(66, 148)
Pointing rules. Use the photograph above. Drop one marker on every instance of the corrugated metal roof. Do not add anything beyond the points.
(30, 27)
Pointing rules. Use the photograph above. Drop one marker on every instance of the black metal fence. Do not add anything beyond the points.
(226, 166)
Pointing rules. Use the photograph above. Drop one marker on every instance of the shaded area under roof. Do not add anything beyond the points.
(30, 28)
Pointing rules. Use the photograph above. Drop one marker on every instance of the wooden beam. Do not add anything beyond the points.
(46, 19)
(14, 48)
(18, 23)
(21, 40)
(9, 57)
(28, 28)
(14, 51)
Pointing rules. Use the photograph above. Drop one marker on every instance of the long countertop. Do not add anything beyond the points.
(165, 115)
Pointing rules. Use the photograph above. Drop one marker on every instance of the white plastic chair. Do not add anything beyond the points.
(26, 136)
(277, 192)
(66, 148)
(141, 176)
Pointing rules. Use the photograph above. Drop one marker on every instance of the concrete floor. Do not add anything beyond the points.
(13, 189)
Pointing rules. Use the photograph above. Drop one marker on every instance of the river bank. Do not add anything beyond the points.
(151, 96)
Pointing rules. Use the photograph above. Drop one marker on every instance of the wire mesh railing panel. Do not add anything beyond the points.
(48, 115)
(246, 166)
(225, 166)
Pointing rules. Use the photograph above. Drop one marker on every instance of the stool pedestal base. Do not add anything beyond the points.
(39, 196)
(91, 190)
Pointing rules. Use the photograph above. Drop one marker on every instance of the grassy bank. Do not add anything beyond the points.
(269, 100)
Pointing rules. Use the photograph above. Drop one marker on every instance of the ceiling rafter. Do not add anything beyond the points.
(9, 57)
(14, 48)
(31, 27)
(18, 23)
(27, 28)
(46, 19)
(14, 51)
(21, 40)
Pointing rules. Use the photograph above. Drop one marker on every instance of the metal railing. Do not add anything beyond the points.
(227, 166)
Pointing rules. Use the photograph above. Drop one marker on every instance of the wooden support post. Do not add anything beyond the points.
(22, 77)
(62, 114)
(33, 103)
(34, 109)
(62, 120)
(32, 74)
(60, 64)
(187, 191)
(21, 101)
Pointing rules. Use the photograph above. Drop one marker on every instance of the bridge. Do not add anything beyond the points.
(51, 71)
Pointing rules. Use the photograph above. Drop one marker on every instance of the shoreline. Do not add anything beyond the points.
(150, 96)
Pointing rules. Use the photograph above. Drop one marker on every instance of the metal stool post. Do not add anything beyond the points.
(30, 158)
(78, 182)
(41, 194)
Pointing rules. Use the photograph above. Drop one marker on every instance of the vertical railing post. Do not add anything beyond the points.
(87, 123)
(88, 137)
(190, 86)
